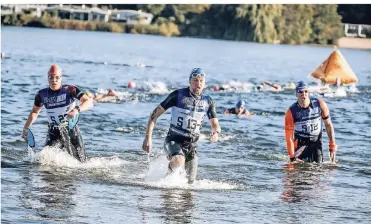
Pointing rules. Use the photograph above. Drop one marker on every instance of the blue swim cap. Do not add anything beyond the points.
(240, 103)
(301, 85)
(197, 72)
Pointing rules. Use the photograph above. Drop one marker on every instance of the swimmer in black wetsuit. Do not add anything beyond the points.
(239, 109)
(59, 101)
(188, 108)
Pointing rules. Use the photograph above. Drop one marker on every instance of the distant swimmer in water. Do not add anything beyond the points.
(189, 107)
(303, 127)
(290, 85)
(59, 101)
(239, 109)
(223, 87)
(261, 86)
(99, 97)
(275, 86)
(337, 89)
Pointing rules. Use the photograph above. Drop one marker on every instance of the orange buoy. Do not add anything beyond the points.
(131, 85)
(335, 67)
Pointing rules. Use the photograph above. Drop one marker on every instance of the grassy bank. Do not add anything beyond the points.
(167, 28)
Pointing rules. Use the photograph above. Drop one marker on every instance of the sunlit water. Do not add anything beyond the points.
(243, 178)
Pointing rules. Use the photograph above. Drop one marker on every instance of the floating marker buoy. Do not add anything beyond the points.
(335, 67)
(131, 85)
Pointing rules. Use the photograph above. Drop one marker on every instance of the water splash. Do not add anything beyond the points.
(53, 156)
(157, 176)
(155, 87)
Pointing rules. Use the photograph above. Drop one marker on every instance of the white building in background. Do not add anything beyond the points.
(131, 16)
(82, 13)
(355, 30)
(99, 14)
(33, 9)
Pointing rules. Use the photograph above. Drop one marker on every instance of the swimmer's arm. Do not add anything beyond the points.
(331, 135)
(328, 124)
(170, 101)
(326, 118)
(86, 103)
(248, 113)
(32, 116)
(102, 96)
(157, 112)
(330, 130)
(227, 112)
(99, 97)
(214, 123)
(34, 111)
(211, 114)
(289, 133)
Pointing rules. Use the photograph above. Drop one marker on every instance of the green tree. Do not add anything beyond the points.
(264, 21)
(154, 9)
(326, 25)
(244, 22)
(297, 23)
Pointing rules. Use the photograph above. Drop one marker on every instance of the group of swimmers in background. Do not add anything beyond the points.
(238, 110)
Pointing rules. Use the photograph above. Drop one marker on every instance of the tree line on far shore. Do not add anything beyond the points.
(263, 23)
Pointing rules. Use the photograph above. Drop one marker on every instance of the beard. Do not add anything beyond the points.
(196, 91)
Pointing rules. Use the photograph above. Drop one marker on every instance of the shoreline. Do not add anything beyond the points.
(153, 29)
(354, 43)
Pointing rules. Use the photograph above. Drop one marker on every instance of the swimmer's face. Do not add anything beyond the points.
(302, 95)
(240, 109)
(197, 85)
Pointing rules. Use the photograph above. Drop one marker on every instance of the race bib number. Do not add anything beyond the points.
(311, 127)
(57, 120)
(58, 115)
(187, 120)
(189, 124)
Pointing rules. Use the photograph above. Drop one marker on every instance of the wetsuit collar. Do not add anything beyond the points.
(55, 91)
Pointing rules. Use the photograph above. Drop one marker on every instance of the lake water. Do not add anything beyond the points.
(243, 178)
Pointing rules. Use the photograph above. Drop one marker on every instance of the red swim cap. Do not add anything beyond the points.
(54, 70)
(111, 92)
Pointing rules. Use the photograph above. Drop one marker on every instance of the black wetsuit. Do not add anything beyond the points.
(58, 104)
(233, 111)
(187, 115)
(308, 130)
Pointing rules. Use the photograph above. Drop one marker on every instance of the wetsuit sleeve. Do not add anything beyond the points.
(170, 100)
(289, 133)
(325, 111)
(38, 102)
(211, 113)
(75, 92)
